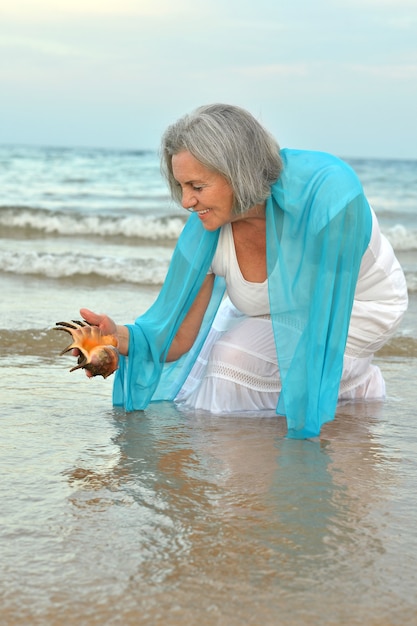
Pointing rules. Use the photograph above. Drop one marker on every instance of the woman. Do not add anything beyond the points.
(312, 288)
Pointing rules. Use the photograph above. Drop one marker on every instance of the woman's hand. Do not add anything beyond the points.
(107, 327)
(105, 324)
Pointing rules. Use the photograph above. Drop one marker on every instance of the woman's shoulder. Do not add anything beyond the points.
(318, 182)
(306, 166)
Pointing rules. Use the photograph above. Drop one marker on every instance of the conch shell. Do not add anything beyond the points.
(97, 352)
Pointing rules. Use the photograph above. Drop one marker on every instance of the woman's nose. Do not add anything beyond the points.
(188, 199)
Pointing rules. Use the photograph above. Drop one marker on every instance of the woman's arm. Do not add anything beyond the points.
(188, 331)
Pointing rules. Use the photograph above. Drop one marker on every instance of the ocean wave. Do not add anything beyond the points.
(47, 343)
(73, 265)
(22, 219)
(401, 238)
(126, 266)
(32, 342)
(399, 346)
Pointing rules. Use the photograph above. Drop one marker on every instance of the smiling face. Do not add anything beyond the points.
(205, 192)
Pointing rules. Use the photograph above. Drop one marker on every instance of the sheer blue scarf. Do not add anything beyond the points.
(318, 225)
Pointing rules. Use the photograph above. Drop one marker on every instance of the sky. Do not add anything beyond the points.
(332, 75)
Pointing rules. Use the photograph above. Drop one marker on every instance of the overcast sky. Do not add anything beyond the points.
(334, 75)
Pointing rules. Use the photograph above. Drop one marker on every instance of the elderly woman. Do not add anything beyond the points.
(281, 287)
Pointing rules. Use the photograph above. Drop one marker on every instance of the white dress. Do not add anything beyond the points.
(237, 369)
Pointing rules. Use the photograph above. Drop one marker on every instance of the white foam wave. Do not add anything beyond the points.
(401, 238)
(115, 269)
(148, 228)
(50, 265)
(136, 226)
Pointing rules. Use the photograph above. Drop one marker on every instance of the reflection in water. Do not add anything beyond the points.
(226, 516)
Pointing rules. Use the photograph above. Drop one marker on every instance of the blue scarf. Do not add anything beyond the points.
(318, 225)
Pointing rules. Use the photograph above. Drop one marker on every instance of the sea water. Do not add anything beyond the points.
(157, 517)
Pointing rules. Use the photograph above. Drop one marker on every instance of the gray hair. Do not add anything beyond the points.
(230, 141)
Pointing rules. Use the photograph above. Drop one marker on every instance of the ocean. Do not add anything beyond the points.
(157, 517)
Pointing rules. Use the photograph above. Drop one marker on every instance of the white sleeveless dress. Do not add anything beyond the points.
(237, 369)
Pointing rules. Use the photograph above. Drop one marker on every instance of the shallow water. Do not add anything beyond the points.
(157, 517)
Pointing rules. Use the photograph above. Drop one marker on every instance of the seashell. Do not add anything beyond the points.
(97, 352)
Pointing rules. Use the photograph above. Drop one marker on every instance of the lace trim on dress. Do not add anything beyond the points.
(244, 378)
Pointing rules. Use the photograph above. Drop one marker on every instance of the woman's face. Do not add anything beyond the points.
(205, 192)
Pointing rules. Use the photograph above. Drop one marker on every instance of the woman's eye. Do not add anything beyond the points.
(197, 188)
